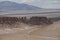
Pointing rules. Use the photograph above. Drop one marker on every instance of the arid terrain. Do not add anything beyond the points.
(26, 20)
(49, 32)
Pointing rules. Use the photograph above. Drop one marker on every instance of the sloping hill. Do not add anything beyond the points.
(8, 5)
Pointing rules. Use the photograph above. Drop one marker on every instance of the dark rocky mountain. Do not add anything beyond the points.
(8, 5)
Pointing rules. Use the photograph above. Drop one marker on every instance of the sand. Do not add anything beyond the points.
(49, 32)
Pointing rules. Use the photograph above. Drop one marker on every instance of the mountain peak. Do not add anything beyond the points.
(8, 5)
(7, 2)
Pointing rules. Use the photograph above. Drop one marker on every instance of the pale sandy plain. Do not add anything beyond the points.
(49, 32)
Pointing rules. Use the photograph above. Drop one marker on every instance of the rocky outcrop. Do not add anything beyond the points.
(32, 20)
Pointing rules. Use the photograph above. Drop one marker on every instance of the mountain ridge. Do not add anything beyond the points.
(8, 5)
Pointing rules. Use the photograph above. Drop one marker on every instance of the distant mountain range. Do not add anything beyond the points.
(8, 6)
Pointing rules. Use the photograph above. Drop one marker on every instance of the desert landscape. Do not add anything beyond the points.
(29, 20)
(36, 28)
(30, 27)
(46, 32)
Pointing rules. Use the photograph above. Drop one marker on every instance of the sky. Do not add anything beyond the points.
(48, 4)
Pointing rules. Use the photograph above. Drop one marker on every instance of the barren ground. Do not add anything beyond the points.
(50, 32)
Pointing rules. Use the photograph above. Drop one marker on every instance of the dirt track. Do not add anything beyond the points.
(50, 32)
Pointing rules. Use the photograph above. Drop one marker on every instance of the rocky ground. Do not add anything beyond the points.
(49, 32)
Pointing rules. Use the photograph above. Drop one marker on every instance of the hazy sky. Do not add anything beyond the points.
(40, 3)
